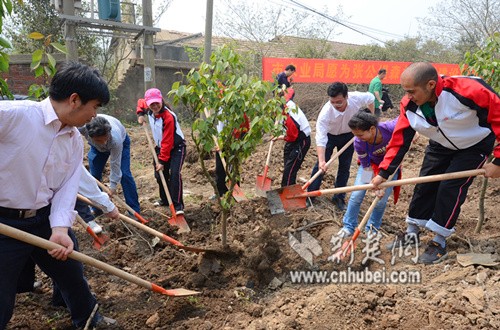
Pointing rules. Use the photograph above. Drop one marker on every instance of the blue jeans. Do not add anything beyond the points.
(97, 161)
(336, 141)
(351, 215)
(14, 255)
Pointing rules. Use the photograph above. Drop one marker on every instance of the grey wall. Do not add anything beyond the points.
(123, 106)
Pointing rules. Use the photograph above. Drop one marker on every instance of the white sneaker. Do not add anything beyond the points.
(181, 212)
(95, 227)
(344, 233)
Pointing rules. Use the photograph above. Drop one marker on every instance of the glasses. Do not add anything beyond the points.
(338, 104)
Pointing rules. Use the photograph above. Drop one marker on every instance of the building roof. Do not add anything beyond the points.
(284, 46)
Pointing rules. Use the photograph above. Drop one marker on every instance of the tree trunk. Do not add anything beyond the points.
(224, 216)
(479, 224)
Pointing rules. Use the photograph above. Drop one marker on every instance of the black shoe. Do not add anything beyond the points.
(434, 253)
(404, 240)
(339, 203)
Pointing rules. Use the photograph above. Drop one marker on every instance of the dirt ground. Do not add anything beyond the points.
(250, 286)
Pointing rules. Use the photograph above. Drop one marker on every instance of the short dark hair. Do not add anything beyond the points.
(74, 77)
(363, 120)
(98, 126)
(290, 67)
(382, 71)
(337, 88)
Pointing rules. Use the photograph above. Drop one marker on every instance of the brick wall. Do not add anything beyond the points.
(20, 77)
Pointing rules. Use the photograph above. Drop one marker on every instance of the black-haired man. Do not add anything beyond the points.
(40, 174)
(333, 131)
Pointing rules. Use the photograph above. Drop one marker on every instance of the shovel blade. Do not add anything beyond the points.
(194, 249)
(347, 248)
(280, 200)
(262, 185)
(238, 194)
(180, 222)
(180, 292)
(99, 241)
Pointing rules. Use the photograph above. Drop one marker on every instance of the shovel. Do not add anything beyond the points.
(348, 245)
(48, 245)
(328, 163)
(100, 240)
(177, 220)
(273, 196)
(294, 197)
(122, 203)
(238, 194)
(150, 230)
(263, 183)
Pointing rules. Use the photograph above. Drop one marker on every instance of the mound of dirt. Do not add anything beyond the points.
(253, 283)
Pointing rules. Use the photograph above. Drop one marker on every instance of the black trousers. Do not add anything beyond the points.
(14, 256)
(293, 156)
(343, 171)
(172, 172)
(441, 201)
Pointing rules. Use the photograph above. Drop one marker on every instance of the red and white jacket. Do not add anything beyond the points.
(296, 123)
(467, 110)
(167, 132)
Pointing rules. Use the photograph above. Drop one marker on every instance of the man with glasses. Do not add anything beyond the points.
(332, 131)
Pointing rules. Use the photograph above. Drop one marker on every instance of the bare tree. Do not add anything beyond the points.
(259, 24)
(464, 24)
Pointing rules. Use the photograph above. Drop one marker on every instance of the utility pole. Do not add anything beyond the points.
(148, 48)
(208, 30)
(70, 31)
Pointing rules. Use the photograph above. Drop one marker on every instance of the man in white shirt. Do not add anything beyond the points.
(332, 131)
(40, 170)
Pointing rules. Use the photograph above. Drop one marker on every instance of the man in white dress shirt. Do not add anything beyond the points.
(332, 131)
(40, 170)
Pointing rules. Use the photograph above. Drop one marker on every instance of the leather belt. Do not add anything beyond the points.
(18, 213)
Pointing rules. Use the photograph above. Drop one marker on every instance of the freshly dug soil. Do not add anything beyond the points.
(249, 286)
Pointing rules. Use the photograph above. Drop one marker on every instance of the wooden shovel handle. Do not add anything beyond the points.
(365, 218)
(162, 177)
(268, 159)
(423, 179)
(48, 245)
(149, 230)
(330, 161)
(121, 202)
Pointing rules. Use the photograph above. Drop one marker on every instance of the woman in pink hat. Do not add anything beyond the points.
(170, 145)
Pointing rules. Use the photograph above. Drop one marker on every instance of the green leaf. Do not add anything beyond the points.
(37, 55)
(8, 6)
(35, 65)
(52, 61)
(48, 70)
(59, 47)
(39, 71)
(4, 43)
(4, 66)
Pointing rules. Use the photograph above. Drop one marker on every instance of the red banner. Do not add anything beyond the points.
(347, 71)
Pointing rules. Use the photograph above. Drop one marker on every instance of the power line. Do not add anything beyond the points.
(346, 24)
